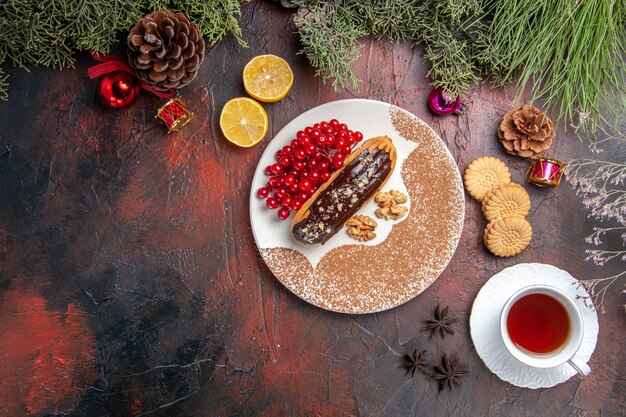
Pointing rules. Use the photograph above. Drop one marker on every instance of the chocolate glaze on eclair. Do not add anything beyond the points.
(364, 172)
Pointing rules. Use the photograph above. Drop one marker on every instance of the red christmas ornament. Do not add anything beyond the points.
(118, 89)
(119, 86)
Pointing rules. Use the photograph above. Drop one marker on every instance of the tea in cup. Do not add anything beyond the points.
(541, 326)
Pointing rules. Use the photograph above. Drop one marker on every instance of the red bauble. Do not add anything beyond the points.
(118, 89)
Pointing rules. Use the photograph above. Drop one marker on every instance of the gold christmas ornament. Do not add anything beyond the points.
(174, 114)
(545, 172)
(526, 131)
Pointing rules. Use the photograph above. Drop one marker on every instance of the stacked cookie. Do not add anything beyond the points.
(505, 205)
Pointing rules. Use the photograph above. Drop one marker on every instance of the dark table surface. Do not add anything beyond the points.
(130, 283)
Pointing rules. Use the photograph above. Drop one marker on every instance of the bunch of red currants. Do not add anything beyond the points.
(305, 164)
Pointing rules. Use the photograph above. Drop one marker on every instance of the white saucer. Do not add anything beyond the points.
(485, 324)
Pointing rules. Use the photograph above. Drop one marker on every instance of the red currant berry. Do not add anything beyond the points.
(280, 192)
(350, 132)
(305, 184)
(317, 126)
(321, 141)
(325, 176)
(334, 123)
(343, 127)
(287, 150)
(323, 166)
(330, 140)
(271, 202)
(286, 201)
(268, 170)
(294, 188)
(302, 197)
(358, 136)
(308, 130)
(340, 143)
(324, 125)
(305, 141)
(297, 204)
(294, 143)
(285, 161)
(289, 180)
(278, 154)
(274, 182)
(300, 134)
(277, 169)
(338, 156)
(346, 150)
(310, 149)
(337, 164)
(311, 164)
(298, 165)
(299, 154)
(328, 131)
(350, 140)
(283, 213)
(342, 135)
(314, 176)
(315, 134)
(263, 192)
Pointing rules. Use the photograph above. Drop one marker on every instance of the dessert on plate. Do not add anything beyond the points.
(364, 172)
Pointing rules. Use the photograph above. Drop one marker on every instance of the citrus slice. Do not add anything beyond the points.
(267, 78)
(243, 121)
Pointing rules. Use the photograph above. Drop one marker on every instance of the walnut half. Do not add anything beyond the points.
(391, 212)
(361, 227)
(388, 204)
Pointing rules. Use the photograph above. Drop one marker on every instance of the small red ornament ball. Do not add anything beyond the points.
(118, 90)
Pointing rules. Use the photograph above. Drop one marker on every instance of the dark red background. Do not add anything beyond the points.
(130, 283)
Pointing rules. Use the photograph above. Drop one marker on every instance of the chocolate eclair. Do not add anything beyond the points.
(364, 172)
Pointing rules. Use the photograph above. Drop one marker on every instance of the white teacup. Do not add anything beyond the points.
(566, 353)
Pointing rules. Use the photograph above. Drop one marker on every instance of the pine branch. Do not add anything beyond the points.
(4, 86)
(48, 33)
(329, 38)
(454, 39)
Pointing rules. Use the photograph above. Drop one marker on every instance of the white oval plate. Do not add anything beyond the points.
(485, 324)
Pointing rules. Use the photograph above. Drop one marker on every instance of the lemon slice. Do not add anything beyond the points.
(267, 78)
(243, 122)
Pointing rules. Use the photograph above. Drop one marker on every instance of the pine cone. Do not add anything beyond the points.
(526, 131)
(165, 50)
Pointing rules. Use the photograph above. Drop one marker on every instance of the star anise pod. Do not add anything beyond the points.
(448, 373)
(441, 323)
(416, 362)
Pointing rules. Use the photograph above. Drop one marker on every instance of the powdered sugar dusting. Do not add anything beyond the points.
(363, 278)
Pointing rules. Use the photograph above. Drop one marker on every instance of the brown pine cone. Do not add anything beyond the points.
(165, 49)
(526, 131)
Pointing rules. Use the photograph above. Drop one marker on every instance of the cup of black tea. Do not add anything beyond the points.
(541, 326)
